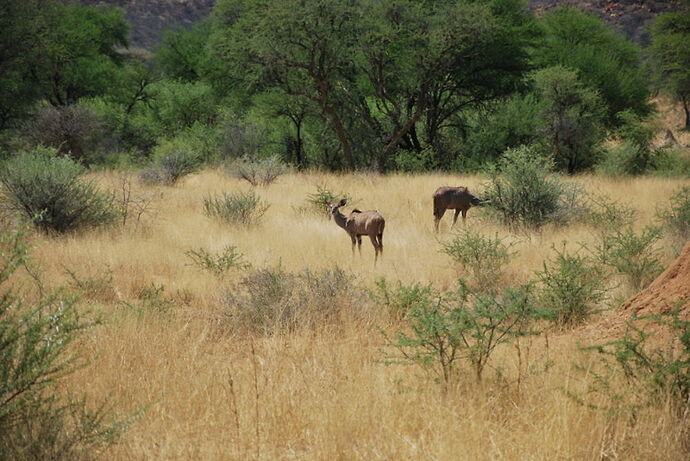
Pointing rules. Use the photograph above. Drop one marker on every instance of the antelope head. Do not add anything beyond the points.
(333, 207)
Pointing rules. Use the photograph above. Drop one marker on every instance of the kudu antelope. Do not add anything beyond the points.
(360, 223)
(453, 198)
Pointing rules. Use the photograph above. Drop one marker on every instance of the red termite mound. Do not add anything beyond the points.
(670, 290)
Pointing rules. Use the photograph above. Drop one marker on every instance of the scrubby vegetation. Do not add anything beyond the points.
(260, 330)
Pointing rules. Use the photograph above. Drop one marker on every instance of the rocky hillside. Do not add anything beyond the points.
(632, 18)
(150, 18)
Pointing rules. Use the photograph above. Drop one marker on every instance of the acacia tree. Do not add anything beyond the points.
(572, 116)
(671, 51)
(605, 61)
(302, 48)
(56, 52)
(381, 73)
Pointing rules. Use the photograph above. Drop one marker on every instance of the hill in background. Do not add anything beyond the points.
(150, 18)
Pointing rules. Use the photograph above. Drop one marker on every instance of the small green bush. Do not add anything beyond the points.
(572, 285)
(218, 264)
(272, 299)
(626, 159)
(523, 192)
(401, 299)
(676, 217)
(485, 257)
(37, 420)
(50, 192)
(671, 163)
(415, 162)
(445, 329)
(257, 172)
(607, 215)
(170, 168)
(319, 201)
(659, 373)
(236, 208)
(631, 254)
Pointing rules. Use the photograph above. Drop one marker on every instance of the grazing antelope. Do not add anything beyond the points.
(453, 198)
(360, 223)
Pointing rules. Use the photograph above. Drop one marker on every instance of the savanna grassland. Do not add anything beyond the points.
(204, 387)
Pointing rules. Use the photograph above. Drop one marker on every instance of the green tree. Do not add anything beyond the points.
(671, 52)
(302, 48)
(605, 61)
(81, 56)
(182, 53)
(24, 25)
(572, 115)
(56, 52)
(424, 64)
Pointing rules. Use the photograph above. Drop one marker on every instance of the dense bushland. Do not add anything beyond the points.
(393, 85)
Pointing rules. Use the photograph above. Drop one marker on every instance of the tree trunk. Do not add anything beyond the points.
(298, 152)
(341, 135)
(686, 108)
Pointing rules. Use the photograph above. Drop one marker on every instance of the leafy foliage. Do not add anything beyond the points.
(572, 118)
(523, 192)
(36, 420)
(237, 208)
(657, 371)
(670, 35)
(445, 329)
(218, 264)
(50, 192)
(572, 285)
(604, 61)
(319, 200)
(607, 215)
(631, 254)
(676, 216)
(485, 257)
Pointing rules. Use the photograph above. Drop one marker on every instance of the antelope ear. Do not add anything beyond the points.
(342, 202)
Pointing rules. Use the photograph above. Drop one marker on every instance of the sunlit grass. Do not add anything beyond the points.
(214, 393)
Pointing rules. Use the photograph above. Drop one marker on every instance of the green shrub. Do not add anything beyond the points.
(73, 130)
(218, 264)
(319, 201)
(170, 168)
(632, 255)
(659, 372)
(37, 421)
(485, 257)
(415, 162)
(523, 192)
(237, 208)
(571, 287)
(401, 299)
(671, 163)
(443, 330)
(257, 172)
(607, 215)
(676, 217)
(198, 141)
(626, 159)
(50, 192)
(272, 299)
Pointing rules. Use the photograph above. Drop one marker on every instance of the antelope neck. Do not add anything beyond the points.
(340, 219)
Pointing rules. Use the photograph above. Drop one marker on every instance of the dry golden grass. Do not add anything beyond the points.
(323, 393)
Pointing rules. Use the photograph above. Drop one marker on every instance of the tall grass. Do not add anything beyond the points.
(217, 392)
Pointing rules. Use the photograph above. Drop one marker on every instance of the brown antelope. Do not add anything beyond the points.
(453, 198)
(360, 223)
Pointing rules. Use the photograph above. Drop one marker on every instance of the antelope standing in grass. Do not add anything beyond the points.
(360, 223)
(453, 198)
